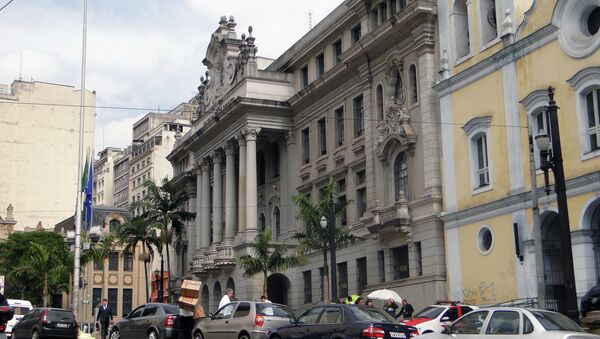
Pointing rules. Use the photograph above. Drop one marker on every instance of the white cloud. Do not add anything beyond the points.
(119, 132)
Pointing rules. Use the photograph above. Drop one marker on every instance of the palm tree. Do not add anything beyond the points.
(136, 232)
(44, 261)
(315, 238)
(163, 208)
(101, 250)
(267, 258)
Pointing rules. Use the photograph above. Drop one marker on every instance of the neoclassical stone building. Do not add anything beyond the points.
(350, 102)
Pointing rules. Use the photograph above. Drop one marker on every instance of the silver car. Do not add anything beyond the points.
(242, 320)
(512, 322)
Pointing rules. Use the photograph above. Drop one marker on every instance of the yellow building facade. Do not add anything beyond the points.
(497, 60)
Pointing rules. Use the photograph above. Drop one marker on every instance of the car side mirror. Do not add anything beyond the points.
(445, 319)
(293, 321)
(126, 315)
(210, 315)
(447, 330)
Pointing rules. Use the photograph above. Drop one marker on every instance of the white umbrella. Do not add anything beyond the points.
(385, 294)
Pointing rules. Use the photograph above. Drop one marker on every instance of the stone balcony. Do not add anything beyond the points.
(216, 258)
(395, 217)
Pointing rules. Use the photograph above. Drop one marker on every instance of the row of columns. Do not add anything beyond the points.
(245, 196)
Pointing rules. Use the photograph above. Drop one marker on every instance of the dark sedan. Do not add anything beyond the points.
(343, 321)
(152, 321)
(46, 323)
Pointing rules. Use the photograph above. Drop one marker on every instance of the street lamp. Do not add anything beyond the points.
(158, 283)
(554, 162)
(331, 235)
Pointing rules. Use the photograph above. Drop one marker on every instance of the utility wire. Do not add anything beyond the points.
(8, 3)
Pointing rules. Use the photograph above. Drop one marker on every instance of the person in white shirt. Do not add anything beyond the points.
(227, 298)
(265, 300)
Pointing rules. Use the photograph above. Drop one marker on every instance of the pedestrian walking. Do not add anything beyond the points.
(390, 307)
(104, 317)
(227, 298)
(406, 311)
(369, 303)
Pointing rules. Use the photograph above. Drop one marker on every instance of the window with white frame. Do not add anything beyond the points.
(488, 20)
(480, 159)
(586, 84)
(592, 103)
(541, 123)
(538, 117)
(460, 18)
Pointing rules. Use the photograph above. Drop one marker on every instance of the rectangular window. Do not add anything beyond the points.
(113, 298)
(381, 265)
(320, 64)
(361, 194)
(305, 146)
(322, 284)
(99, 265)
(339, 126)
(400, 255)
(361, 274)
(337, 52)
(96, 299)
(341, 198)
(322, 136)
(276, 161)
(304, 75)
(307, 287)
(359, 124)
(593, 117)
(128, 262)
(356, 33)
(127, 300)
(482, 171)
(342, 278)
(113, 261)
(418, 258)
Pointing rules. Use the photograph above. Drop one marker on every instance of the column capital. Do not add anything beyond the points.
(251, 134)
(290, 137)
(205, 165)
(241, 139)
(229, 148)
(217, 156)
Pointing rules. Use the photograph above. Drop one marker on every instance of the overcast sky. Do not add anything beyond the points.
(141, 53)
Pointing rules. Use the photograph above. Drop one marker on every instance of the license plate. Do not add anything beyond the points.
(67, 326)
(397, 335)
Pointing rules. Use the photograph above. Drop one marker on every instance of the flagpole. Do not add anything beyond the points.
(90, 265)
(76, 264)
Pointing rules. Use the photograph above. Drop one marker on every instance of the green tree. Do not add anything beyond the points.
(267, 258)
(163, 208)
(23, 282)
(136, 232)
(316, 239)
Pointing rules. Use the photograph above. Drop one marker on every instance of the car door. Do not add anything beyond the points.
(142, 324)
(329, 323)
(18, 330)
(305, 325)
(126, 325)
(503, 325)
(216, 328)
(240, 320)
(469, 326)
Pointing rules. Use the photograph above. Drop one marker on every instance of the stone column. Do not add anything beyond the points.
(196, 243)
(217, 209)
(251, 179)
(205, 226)
(290, 178)
(230, 196)
(242, 185)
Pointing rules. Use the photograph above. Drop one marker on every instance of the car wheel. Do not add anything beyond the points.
(114, 334)
(244, 336)
(198, 335)
(35, 335)
(152, 335)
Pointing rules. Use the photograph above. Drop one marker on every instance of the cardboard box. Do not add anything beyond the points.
(191, 288)
(199, 312)
(188, 304)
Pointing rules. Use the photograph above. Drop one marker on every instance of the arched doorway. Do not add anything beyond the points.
(554, 273)
(205, 299)
(278, 288)
(217, 295)
(595, 228)
(230, 284)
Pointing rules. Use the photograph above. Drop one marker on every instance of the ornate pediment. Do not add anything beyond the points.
(395, 129)
(228, 60)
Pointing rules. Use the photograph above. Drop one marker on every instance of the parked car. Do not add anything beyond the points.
(434, 318)
(343, 321)
(590, 301)
(6, 313)
(152, 321)
(46, 322)
(510, 322)
(242, 320)
(20, 307)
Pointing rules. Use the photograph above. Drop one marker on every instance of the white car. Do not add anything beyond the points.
(512, 322)
(434, 318)
(20, 307)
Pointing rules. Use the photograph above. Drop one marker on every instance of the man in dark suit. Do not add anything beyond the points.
(105, 317)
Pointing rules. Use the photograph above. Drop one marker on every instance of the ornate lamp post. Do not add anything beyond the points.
(554, 162)
(331, 232)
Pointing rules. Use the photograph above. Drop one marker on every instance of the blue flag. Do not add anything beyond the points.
(88, 195)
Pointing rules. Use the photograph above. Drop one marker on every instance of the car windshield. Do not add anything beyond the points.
(171, 309)
(430, 312)
(273, 310)
(556, 322)
(20, 310)
(371, 314)
(61, 315)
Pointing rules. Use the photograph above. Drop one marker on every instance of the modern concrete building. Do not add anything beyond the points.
(104, 177)
(39, 140)
(121, 179)
(351, 103)
(495, 72)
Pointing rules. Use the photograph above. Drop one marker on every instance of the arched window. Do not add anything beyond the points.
(379, 96)
(595, 227)
(414, 90)
(205, 298)
(488, 20)
(401, 176)
(114, 225)
(399, 88)
(277, 217)
(460, 16)
(217, 295)
(261, 222)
